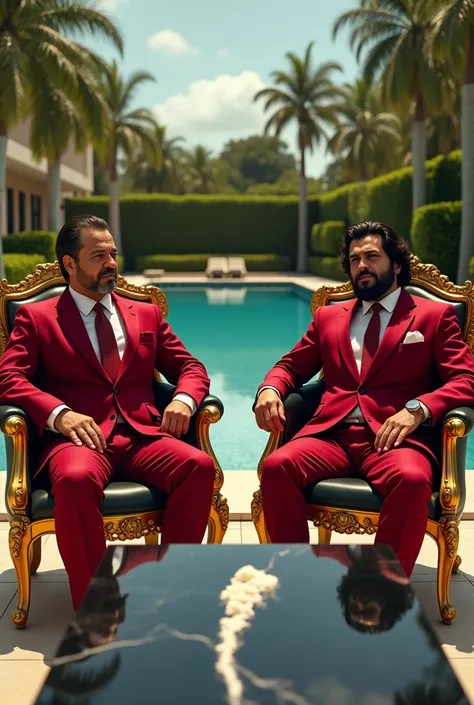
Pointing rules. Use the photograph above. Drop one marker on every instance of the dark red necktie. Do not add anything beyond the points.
(109, 353)
(371, 339)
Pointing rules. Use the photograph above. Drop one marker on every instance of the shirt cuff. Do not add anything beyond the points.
(426, 412)
(52, 417)
(186, 399)
(268, 386)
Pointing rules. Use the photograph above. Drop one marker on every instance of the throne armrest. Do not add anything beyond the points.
(210, 411)
(300, 405)
(456, 426)
(15, 425)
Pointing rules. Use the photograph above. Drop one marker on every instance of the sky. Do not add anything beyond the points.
(209, 58)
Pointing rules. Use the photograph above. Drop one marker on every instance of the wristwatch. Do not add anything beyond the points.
(414, 407)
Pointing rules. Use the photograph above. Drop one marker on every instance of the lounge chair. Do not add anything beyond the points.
(237, 267)
(217, 267)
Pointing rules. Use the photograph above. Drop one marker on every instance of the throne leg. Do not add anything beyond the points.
(218, 519)
(35, 556)
(258, 517)
(448, 542)
(324, 535)
(19, 540)
(457, 563)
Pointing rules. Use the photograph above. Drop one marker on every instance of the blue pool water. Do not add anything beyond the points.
(238, 333)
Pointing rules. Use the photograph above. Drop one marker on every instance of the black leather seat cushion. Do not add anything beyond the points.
(14, 304)
(120, 498)
(356, 494)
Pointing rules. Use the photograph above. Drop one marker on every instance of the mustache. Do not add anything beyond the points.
(108, 272)
(365, 274)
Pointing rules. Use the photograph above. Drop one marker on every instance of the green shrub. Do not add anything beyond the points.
(443, 178)
(326, 238)
(29, 242)
(390, 200)
(471, 266)
(335, 205)
(165, 224)
(197, 263)
(17, 266)
(435, 235)
(327, 267)
(358, 202)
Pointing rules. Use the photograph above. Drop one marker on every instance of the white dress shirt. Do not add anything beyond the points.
(86, 308)
(359, 324)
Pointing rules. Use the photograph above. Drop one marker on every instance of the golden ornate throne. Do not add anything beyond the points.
(349, 505)
(130, 510)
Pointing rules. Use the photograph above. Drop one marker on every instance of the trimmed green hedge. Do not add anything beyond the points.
(435, 235)
(197, 263)
(390, 200)
(471, 266)
(168, 225)
(327, 267)
(17, 266)
(31, 241)
(326, 238)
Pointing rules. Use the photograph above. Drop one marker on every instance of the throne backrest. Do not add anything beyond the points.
(46, 282)
(427, 282)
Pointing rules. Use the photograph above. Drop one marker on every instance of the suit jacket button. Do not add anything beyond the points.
(362, 391)
(112, 418)
(115, 391)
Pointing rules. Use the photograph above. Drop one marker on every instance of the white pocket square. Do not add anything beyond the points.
(414, 336)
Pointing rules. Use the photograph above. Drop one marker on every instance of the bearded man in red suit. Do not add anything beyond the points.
(394, 365)
(81, 366)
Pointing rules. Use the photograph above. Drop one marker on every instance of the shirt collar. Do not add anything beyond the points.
(85, 304)
(388, 302)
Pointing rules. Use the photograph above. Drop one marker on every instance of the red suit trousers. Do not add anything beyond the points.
(79, 475)
(403, 476)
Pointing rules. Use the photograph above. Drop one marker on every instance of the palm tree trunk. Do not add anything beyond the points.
(466, 249)
(3, 178)
(54, 193)
(114, 205)
(418, 150)
(302, 254)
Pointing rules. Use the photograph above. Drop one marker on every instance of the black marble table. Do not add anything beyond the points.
(234, 625)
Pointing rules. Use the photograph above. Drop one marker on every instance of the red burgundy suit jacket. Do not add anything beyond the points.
(49, 360)
(438, 371)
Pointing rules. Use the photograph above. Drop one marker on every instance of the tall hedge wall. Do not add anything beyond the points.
(164, 224)
(435, 235)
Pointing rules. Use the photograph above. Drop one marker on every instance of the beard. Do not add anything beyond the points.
(374, 288)
(97, 285)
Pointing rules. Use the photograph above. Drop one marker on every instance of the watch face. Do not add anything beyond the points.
(412, 405)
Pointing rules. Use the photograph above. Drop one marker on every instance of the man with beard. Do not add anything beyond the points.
(394, 365)
(81, 366)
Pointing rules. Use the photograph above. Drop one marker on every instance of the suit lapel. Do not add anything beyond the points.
(344, 336)
(402, 318)
(70, 320)
(132, 327)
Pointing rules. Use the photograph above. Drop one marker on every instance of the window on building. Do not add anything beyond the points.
(36, 220)
(21, 211)
(10, 212)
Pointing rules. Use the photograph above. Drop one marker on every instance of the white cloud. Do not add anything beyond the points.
(223, 53)
(171, 42)
(110, 6)
(223, 105)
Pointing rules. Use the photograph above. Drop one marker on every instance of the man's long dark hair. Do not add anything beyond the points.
(395, 246)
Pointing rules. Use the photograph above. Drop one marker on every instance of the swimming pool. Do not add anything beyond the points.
(238, 333)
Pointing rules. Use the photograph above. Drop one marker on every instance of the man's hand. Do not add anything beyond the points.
(176, 418)
(396, 429)
(270, 412)
(82, 430)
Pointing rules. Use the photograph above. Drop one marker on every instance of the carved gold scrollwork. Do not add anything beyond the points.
(133, 527)
(207, 416)
(19, 524)
(256, 506)
(450, 529)
(450, 493)
(343, 522)
(222, 508)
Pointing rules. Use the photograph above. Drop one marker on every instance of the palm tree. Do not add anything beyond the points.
(59, 114)
(454, 39)
(199, 170)
(156, 172)
(33, 36)
(396, 35)
(129, 130)
(367, 137)
(306, 95)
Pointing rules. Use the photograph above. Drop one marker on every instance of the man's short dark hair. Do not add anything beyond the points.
(69, 237)
(395, 246)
